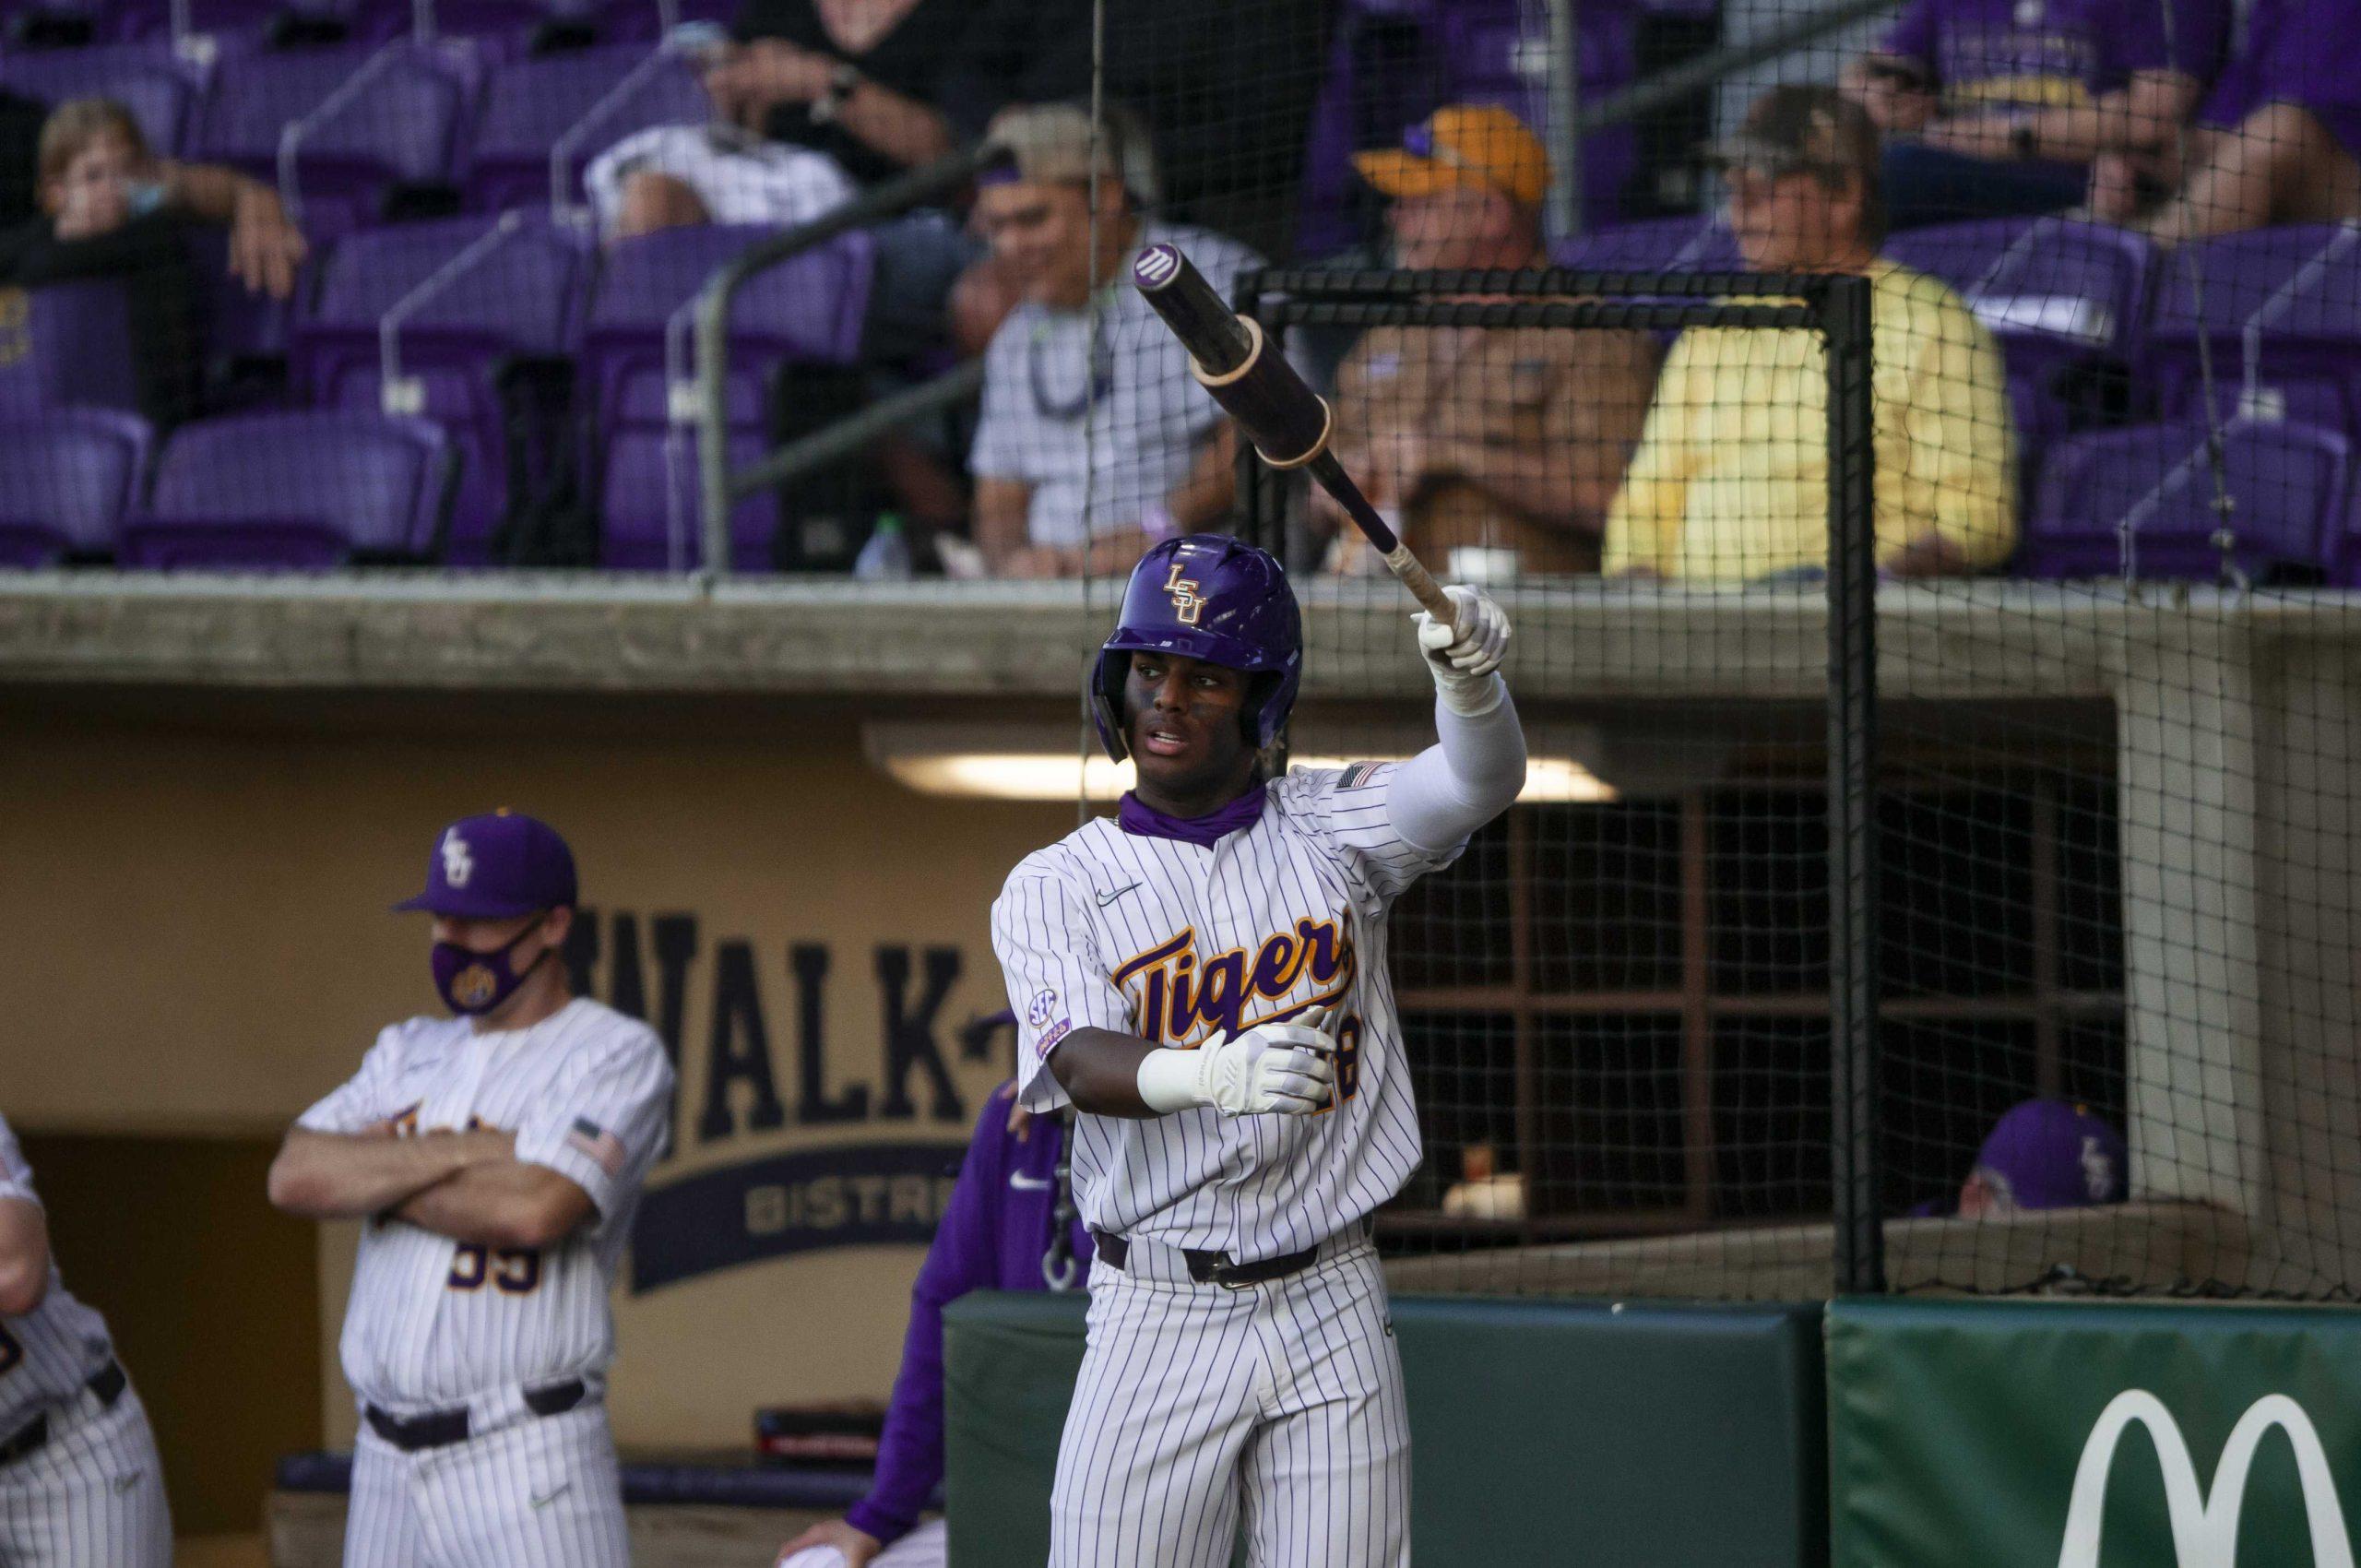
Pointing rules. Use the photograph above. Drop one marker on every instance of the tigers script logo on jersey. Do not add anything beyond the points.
(1186, 604)
(1181, 998)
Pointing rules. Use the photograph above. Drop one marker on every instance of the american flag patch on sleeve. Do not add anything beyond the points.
(604, 1148)
(1359, 776)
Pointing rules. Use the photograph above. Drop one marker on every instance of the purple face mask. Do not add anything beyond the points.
(472, 983)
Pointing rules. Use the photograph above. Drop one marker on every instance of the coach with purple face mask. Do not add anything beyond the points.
(497, 1156)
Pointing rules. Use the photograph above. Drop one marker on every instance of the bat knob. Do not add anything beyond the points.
(1155, 266)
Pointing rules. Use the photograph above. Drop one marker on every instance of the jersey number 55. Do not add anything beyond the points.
(512, 1271)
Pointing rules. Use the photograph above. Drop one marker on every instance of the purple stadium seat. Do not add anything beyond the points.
(233, 26)
(648, 497)
(463, 296)
(2280, 310)
(637, 356)
(1653, 244)
(2058, 294)
(1394, 62)
(66, 345)
(66, 479)
(364, 120)
(302, 490)
(148, 81)
(585, 102)
(2151, 490)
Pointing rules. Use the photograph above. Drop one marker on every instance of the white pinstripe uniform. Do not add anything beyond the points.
(91, 1493)
(436, 1324)
(1292, 1387)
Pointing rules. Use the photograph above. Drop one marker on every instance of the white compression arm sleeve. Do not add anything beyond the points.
(1463, 782)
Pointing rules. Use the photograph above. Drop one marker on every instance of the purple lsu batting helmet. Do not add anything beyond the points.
(1211, 598)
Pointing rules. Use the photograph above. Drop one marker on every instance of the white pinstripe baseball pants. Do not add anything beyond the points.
(1198, 1406)
(540, 1492)
(91, 1497)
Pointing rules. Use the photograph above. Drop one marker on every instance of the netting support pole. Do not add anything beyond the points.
(1843, 304)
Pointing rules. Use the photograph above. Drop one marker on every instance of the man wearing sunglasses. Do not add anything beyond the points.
(1730, 482)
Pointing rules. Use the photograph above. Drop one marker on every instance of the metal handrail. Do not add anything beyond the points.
(389, 327)
(290, 136)
(562, 150)
(719, 488)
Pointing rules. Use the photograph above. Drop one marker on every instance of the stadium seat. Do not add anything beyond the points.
(66, 345)
(449, 307)
(147, 80)
(1394, 62)
(564, 110)
(636, 359)
(1654, 244)
(2144, 499)
(293, 491)
(358, 122)
(2065, 300)
(649, 502)
(2280, 310)
(66, 479)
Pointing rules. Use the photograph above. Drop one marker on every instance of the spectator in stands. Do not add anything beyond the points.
(2044, 1154)
(1507, 439)
(995, 1235)
(675, 176)
(2279, 141)
(1095, 442)
(1730, 479)
(109, 203)
(1999, 107)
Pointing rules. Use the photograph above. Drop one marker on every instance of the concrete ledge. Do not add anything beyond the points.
(2151, 1245)
(1577, 639)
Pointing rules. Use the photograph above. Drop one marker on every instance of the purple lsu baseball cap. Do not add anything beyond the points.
(496, 867)
(2051, 1154)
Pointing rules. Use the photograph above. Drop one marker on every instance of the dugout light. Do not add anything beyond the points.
(992, 764)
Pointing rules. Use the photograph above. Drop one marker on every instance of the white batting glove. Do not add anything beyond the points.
(1463, 661)
(1275, 1068)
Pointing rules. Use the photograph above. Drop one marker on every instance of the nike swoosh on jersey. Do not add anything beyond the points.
(551, 1496)
(1107, 899)
(1023, 1184)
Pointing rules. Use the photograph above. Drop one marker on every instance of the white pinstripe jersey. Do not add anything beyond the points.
(46, 1355)
(433, 1322)
(1168, 941)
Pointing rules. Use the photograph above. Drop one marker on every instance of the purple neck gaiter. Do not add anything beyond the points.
(1135, 817)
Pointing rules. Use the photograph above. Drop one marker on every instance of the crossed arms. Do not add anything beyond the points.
(469, 1186)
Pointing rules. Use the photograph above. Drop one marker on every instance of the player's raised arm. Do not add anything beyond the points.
(1477, 766)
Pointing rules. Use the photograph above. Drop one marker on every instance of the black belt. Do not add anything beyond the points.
(1214, 1268)
(108, 1383)
(440, 1429)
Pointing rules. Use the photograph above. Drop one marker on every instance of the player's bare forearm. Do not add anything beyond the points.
(500, 1203)
(24, 1257)
(354, 1175)
(1100, 1070)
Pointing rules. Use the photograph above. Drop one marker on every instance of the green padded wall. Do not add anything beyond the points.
(1542, 1432)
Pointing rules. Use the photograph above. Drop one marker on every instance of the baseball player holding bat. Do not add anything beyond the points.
(1203, 979)
(80, 1484)
(497, 1156)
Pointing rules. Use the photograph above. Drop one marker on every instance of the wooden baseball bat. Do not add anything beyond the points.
(1287, 421)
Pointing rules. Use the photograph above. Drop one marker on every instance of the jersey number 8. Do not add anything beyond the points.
(512, 1271)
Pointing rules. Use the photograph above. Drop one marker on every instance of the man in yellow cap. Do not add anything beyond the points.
(1504, 445)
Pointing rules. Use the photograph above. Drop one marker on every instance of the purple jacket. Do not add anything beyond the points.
(992, 1238)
